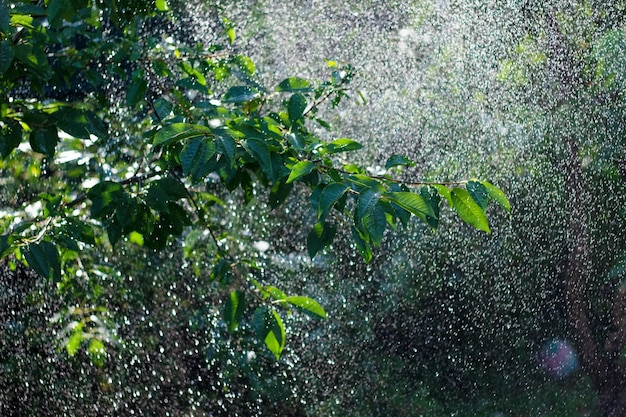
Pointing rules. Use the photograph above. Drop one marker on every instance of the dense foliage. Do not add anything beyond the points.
(114, 132)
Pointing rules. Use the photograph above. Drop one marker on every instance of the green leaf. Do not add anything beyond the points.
(229, 29)
(177, 132)
(73, 343)
(22, 20)
(10, 137)
(97, 352)
(342, 145)
(104, 197)
(275, 293)
(234, 308)
(162, 6)
(44, 258)
(225, 144)
(5, 20)
(73, 122)
(397, 160)
(308, 305)
(163, 191)
(295, 107)
(362, 246)
(44, 141)
(497, 195)
(5, 245)
(162, 108)
(300, 169)
(469, 211)
(270, 329)
(478, 192)
(374, 222)
(246, 64)
(414, 203)
(6, 56)
(294, 85)
(279, 193)
(275, 338)
(258, 149)
(195, 157)
(433, 199)
(79, 230)
(240, 94)
(137, 89)
(444, 192)
(368, 198)
(319, 237)
(56, 12)
(328, 197)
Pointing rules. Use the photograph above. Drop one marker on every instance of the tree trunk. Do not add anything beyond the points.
(602, 363)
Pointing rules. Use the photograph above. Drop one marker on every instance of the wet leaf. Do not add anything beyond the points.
(308, 305)
(6, 56)
(240, 94)
(319, 237)
(413, 203)
(234, 308)
(497, 195)
(299, 170)
(43, 257)
(342, 145)
(97, 352)
(177, 132)
(295, 107)
(469, 211)
(398, 160)
(294, 85)
(73, 343)
(10, 137)
(195, 157)
(44, 141)
(328, 197)
(478, 192)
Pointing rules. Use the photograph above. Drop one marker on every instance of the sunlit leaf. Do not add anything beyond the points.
(413, 203)
(234, 308)
(294, 85)
(73, 343)
(497, 195)
(275, 338)
(270, 329)
(179, 131)
(342, 145)
(97, 352)
(308, 305)
(300, 169)
(468, 210)
(162, 5)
